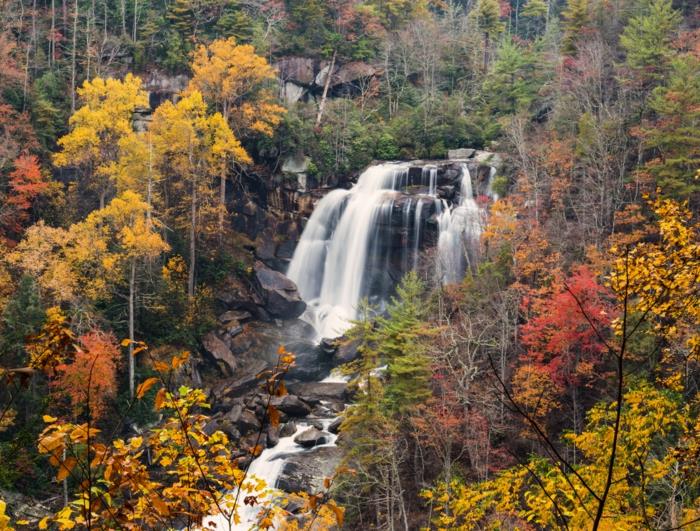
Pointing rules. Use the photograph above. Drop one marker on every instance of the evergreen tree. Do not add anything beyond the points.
(576, 19)
(22, 318)
(513, 80)
(647, 39)
(676, 131)
(488, 18)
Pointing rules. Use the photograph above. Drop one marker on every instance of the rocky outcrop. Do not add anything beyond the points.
(291, 405)
(303, 78)
(279, 294)
(218, 349)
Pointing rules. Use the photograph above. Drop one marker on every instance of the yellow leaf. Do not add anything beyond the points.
(49, 419)
(44, 523)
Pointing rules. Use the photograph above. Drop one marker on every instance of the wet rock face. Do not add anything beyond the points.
(304, 472)
(311, 437)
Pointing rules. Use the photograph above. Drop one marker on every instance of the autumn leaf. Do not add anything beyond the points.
(66, 468)
(144, 387)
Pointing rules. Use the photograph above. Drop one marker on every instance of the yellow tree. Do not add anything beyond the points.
(235, 80)
(193, 146)
(97, 128)
(133, 239)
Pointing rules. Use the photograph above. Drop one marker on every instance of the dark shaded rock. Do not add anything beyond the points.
(305, 472)
(247, 421)
(288, 429)
(334, 427)
(285, 250)
(245, 379)
(347, 351)
(273, 436)
(311, 363)
(291, 405)
(220, 352)
(279, 294)
(311, 437)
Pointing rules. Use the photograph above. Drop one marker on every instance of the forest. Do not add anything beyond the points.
(350, 264)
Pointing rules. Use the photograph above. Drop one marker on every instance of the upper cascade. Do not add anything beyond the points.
(358, 243)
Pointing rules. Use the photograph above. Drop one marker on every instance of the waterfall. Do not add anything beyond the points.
(330, 263)
(460, 229)
(348, 252)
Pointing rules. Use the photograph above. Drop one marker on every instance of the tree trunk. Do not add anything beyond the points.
(73, 57)
(193, 246)
(132, 296)
(326, 86)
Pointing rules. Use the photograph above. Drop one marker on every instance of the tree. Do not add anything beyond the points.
(25, 184)
(97, 129)
(236, 81)
(577, 20)
(133, 239)
(90, 379)
(675, 133)
(488, 19)
(194, 146)
(647, 39)
(512, 81)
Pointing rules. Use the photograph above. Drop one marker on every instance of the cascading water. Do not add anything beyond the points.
(460, 229)
(344, 244)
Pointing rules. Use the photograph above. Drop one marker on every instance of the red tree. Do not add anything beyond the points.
(565, 336)
(90, 380)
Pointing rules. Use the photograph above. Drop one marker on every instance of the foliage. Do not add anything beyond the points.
(98, 127)
(90, 379)
(541, 493)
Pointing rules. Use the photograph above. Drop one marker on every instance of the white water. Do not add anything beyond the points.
(329, 264)
(460, 229)
(342, 237)
(266, 467)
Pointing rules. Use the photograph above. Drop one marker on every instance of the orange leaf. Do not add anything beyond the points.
(160, 398)
(66, 468)
(145, 386)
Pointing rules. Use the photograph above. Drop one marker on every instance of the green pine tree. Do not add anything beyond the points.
(647, 39)
(675, 134)
(577, 18)
(513, 80)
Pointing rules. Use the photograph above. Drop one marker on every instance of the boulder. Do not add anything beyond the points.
(288, 429)
(279, 294)
(305, 472)
(347, 351)
(311, 437)
(220, 352)
(318, 391)
(273, 436)
(247, 421)
(291, 405)
(334, 427)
